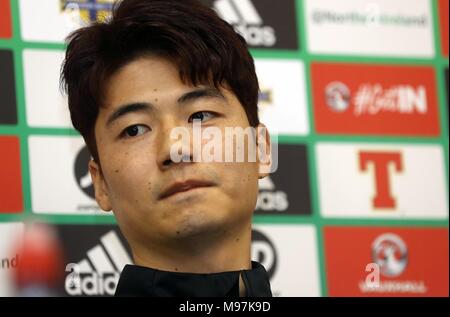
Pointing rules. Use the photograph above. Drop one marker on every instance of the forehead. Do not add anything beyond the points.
(149, 78)
(148, 73)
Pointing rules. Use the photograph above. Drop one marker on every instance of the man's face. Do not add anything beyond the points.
(134, 147)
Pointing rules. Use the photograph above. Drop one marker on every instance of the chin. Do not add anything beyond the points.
(198, 223)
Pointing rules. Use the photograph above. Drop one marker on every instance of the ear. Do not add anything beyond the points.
(264, 150)
(101, 189)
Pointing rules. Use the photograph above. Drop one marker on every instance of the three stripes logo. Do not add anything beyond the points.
(99, 273)
(247, 21)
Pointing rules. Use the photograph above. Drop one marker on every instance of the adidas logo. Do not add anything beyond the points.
(243, 15)
(269, 199)
(99, 273)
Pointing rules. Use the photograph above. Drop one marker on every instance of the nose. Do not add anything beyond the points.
(174, 145)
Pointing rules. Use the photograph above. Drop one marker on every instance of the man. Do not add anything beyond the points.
(156, 67)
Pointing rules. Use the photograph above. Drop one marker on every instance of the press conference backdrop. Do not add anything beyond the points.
(357, 91)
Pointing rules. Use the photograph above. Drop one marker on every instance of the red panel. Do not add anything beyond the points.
(375, 99)
(5, 19)
(348, 250)
(10, 176)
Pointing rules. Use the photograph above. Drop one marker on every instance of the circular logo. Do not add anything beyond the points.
(264, 252)
(389, 251)
(81, 171)
(337, 96)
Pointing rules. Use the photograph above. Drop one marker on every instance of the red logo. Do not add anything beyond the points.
(381, 161)
(5, 19)
(368, 261)
(10, 176)
(375, 99)
(443, 18)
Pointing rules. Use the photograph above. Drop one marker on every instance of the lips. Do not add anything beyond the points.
(178, 187)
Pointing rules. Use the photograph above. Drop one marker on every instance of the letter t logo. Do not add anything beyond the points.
(380, 160)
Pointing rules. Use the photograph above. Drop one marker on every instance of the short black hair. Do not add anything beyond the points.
(205, 48)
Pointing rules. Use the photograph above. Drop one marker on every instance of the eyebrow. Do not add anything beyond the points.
(204, 92)
(123, 110)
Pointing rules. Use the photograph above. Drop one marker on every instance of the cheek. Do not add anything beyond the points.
(130, 177)
(242, 179)
(243, 186)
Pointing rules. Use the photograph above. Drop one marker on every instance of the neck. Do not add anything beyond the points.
(205, 255)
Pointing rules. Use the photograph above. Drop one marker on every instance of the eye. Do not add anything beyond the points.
(202, 116)
(134, 131)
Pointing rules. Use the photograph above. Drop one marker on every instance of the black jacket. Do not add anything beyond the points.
(143, 281)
